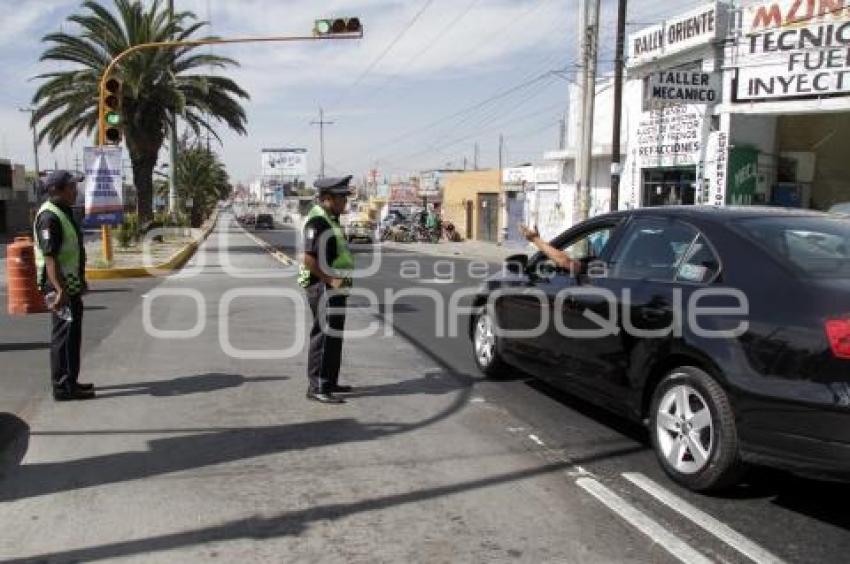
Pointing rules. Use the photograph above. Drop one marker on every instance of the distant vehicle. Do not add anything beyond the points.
(777, 393)
(360, 231)
(264, 221)
(249, 219)
(843, 207)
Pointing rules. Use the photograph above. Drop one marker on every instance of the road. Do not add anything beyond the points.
(796, 519)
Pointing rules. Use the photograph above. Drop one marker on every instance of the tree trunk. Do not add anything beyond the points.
(143, 165)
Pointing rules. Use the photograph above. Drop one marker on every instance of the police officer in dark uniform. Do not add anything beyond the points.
(60, 257)
(324, 275)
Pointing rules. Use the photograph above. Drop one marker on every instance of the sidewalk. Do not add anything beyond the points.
(191, 455)
(471, 249)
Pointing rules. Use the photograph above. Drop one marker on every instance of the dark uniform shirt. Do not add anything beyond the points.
(316, 232)
(48, 228)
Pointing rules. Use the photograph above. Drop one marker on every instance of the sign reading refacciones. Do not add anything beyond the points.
(682, 87)
(794, 49)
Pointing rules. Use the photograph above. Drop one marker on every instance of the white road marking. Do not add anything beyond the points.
(437, 281)
(477, 400)
(537, 440)
(723, 532)
(667, 540)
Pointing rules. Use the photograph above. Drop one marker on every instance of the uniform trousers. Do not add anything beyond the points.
(325, 354)
(66, 339)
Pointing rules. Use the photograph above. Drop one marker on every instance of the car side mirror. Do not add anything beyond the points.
(516, 264)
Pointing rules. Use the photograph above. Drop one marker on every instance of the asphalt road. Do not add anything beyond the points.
(793, 518)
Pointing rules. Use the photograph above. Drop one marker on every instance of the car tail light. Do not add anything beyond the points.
(838, 333)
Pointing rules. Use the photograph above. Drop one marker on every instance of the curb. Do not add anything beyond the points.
(280, 256)
(176, 262)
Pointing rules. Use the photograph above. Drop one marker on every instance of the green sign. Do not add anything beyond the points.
(743, 175)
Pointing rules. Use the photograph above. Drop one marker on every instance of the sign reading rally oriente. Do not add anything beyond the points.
(697, 27)
(794, 49)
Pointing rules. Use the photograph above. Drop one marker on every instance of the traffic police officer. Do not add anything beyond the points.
(60, 258)
(324, 274)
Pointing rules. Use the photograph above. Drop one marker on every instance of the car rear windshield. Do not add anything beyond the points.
(819, 246)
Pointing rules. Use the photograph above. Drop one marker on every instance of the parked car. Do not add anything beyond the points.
(775, 390)
(360, 231)
(264, 221)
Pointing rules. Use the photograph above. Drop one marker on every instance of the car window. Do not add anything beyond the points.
(700, 264)
(589, 245)
(654, 249)
(818, 246)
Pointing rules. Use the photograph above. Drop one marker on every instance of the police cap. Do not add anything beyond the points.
(334, 186)
(59, 179)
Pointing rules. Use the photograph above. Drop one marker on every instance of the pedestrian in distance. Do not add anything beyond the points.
(325, 273)
(60, 258)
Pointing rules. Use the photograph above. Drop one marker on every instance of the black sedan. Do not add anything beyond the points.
(725, 330)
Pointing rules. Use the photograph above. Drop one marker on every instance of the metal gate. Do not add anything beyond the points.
(488, 217)
(516, 216)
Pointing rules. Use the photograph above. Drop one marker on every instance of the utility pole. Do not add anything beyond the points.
(616, 164)
(31, 111)
(588, 37)
(321, 123)
(562, 134)
(476, 157)
(172, 147)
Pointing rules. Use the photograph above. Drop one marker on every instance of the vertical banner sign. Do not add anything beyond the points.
(103, 186)
(743, 175)
(794, 49)
(718, 171)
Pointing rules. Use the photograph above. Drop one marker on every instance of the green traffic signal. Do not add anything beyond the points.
(323, 27)
(337, 26)
(113, 118)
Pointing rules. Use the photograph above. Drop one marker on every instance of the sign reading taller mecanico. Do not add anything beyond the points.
(794, 49)
(693, 29)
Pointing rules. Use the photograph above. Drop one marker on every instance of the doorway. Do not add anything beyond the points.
(669, 186)
(488, 216)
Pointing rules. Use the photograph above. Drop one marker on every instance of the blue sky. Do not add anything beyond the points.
(404, 98)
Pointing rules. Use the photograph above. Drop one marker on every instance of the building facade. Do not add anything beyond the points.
(472, 202)
(17, 200)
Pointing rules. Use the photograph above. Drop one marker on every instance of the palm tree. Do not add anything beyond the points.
(155, 82)
(201, 177)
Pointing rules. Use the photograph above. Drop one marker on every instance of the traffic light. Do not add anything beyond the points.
(112, 111)
(337, 26)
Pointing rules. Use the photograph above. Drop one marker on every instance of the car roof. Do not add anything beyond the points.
(716, 213)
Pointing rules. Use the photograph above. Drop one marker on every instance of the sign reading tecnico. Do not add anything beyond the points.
(683, 87)
(697, 27)
(794, 49)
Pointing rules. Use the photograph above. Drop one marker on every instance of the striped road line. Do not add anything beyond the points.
(720, 530)
(661, 536)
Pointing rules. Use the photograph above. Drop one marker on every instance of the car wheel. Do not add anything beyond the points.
(485, 346)
(693, 431)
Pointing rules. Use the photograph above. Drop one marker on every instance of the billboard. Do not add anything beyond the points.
(698, 27)
(794, 49)
(103, 186)
(284, 162)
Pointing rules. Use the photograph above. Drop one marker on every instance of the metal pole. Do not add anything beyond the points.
(616, 164)
(172, 147)
(321, 123)
(34, 140)
(590, 34)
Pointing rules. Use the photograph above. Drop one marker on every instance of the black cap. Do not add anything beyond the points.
(61, 178)
(334, 186)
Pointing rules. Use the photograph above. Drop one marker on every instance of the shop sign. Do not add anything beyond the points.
(697, 27)
(550, 174)
(518, 175)
(717, 171)
(681, 87)
(743, 175)
(670, 136)
(794, 49)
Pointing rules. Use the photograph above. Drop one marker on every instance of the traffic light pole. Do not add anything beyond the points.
(172, 148)
(106, 233)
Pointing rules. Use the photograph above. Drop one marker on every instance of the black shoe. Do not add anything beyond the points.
(75, 394)
(341, 389)
(85, 387)
(324, 397)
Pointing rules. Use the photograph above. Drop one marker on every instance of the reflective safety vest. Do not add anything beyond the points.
(343, 265)
(68, 258)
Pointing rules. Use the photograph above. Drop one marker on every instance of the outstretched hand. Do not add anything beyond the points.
(529, 233)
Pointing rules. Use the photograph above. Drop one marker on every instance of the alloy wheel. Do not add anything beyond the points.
(685, 429)
(485, 340)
